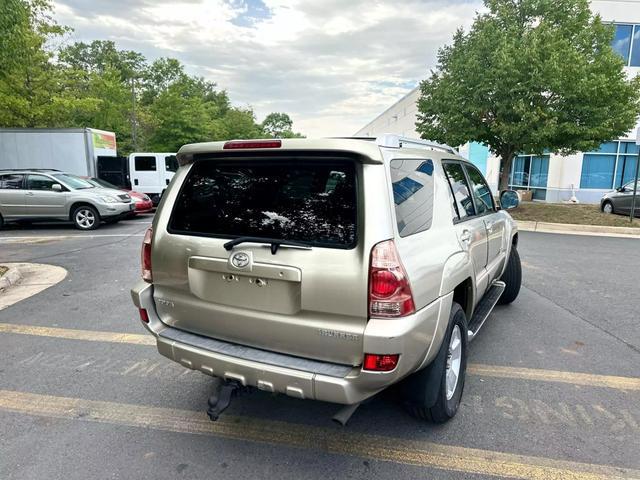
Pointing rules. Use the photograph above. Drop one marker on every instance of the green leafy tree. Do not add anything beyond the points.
(530, 75)
(32, 91)
(279, 125)
(155, 106)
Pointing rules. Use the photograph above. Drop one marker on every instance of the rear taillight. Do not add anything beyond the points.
(240, 144)
(144, 316)
(389, 289)
(145, 256)
(380, 363)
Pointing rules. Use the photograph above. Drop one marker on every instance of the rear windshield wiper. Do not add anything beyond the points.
(275, 243)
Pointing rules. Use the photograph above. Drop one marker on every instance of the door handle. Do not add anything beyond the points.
(31, 194)
(465, 236)
(490, 226)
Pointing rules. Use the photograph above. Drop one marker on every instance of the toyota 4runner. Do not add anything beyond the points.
(327, 269)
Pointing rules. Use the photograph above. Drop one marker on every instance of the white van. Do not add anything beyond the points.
(150, 173)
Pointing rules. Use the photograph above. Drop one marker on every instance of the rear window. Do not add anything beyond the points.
(312, 202)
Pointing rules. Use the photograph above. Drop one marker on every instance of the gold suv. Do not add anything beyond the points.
(327, 269)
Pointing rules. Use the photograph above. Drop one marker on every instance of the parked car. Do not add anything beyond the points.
(31, 195)
(327, 269)
(620, 199)
(142, 201)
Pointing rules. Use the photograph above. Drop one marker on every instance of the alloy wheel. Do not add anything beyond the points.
(454, 360)
(85, 218)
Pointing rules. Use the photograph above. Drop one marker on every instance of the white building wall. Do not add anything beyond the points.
(400, 118)
(564, 171)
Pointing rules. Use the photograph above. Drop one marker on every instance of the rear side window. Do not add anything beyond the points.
(460, 190)
(145, 164)
(11, 182)
(313, 202)
(412, 182)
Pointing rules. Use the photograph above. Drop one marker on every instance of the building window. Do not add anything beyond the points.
(612, 165)
(626, 42)
(531, 172)
(404, 189)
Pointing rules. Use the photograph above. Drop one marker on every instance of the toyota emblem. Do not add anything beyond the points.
(240, 259)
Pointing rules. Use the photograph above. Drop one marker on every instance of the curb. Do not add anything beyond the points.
(29, 280)
(11, 277)
(575, 229)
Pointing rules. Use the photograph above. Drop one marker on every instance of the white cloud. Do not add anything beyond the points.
(332, 65)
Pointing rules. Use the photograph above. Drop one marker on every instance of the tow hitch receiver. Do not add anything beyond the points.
(221, 398)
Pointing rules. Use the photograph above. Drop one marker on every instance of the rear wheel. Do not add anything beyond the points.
(85, 217)
(512, 277)
(1, 222)
(434, 393)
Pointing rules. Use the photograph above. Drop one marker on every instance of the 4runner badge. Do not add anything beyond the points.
(241, 260)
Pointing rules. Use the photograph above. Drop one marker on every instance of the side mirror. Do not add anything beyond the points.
(56, 187)
(509, 199)
(621, 189)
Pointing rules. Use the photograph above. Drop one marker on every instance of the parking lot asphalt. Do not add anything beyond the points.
(553, 389)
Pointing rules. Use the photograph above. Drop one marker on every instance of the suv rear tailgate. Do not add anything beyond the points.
(310, 302)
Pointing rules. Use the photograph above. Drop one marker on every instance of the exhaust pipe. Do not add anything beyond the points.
(344, 414)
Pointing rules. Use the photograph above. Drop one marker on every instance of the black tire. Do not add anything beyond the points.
(512, 277)
(608, 203)
(425, 392)
(89, 213)
(1, 222)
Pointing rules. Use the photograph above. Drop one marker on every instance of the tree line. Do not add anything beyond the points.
(46, 81)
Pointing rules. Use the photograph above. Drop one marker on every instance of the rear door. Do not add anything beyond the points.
(493, 221)
(147, 176)
(13, 200)
(42, 200)
(306, 301)
(114, 170)
(470, 227)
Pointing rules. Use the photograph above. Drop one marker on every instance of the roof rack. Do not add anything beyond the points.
(396, 141)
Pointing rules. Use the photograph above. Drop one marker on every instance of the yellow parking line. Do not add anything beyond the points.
(397, 450)
(573, 378)
(72, 334)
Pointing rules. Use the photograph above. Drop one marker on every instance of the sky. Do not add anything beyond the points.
(332, 65)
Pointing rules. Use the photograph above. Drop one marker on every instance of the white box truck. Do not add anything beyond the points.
(81, 151)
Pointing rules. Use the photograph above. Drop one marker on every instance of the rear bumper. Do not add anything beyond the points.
(417, 339)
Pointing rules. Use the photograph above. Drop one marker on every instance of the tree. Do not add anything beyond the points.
(155, 106)
(530, 75)
(32, 91)
(279, 125)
